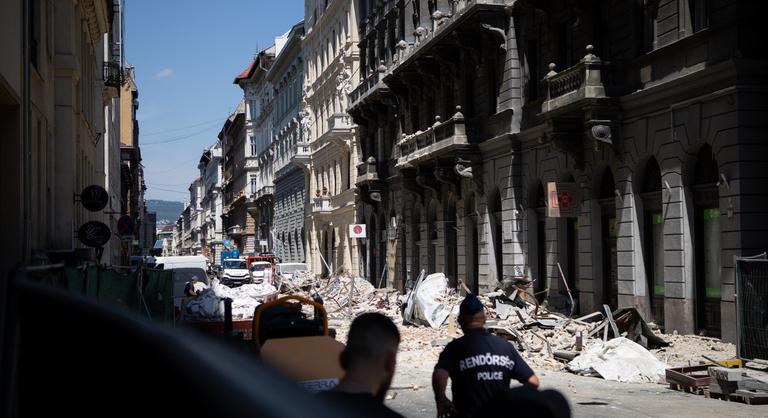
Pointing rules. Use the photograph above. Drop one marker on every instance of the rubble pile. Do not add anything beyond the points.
(595, 344)
(686, 350)
(208, 305)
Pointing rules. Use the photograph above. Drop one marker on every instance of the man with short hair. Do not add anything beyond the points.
(369, 362)
(479, 364)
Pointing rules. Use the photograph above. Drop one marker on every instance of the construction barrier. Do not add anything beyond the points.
(146, 291)
(752, 308)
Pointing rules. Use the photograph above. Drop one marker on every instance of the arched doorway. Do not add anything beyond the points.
(381, 250)
(373, 250)
(332, 247)
(707, 243)
(609, 235)
(472, 252)
(653, 239)
(537, 240)
(570, 247)
(451, 249)
(325, 252)
(432, 237)
(416, 241)
(495, 209)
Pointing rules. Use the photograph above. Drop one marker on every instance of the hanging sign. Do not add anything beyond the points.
(563, 200)
(94, 234)
(357, 231)
(94, 198)
(125, 225)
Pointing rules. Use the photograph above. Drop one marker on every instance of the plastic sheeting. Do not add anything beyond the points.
(619, 360)
(427, 308)
(209, 303)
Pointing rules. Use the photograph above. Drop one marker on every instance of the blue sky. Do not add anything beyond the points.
(186, 54)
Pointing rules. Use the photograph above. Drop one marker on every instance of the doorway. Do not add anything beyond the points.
(451, 248)
(471, 216)
(416, 242)
(539, 240)
(497, 235)
(653, 240)
(609, 235)
(707, 244)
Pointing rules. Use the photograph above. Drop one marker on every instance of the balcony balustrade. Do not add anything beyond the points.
(575, 84)
(436, 139)
(321, 205)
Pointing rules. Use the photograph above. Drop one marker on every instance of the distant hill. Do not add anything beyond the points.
(167, 211)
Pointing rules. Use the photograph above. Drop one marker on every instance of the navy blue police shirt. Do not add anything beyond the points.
(480, 365)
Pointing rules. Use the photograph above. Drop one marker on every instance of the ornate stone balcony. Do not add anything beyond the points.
(368, 86)
(264, 191)
(366, 172)
(437, 139)
(443, 23)
(301, 153)
(574, 85)
(321, 205)
(340, 122)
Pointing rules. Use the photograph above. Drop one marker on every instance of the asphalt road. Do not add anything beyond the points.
(588, 396)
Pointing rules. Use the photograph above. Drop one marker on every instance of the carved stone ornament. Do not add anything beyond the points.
(344, 80)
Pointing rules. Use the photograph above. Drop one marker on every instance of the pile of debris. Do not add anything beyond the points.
(616, 345)
(208, 305)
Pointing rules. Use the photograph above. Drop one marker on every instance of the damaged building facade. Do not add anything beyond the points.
(615, 144)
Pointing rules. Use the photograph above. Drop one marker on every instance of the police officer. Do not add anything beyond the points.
(479, 364)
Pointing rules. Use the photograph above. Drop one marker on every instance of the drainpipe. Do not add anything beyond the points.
(27, 135)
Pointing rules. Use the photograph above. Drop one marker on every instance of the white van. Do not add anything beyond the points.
(185, 269)
(181, 261)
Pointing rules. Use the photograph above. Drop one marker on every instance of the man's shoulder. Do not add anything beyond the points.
(358, 402)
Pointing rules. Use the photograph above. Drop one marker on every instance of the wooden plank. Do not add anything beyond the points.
(609, 317)
(582, 318)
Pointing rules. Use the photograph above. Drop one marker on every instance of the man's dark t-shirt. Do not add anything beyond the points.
(360, 404)
(480, 365)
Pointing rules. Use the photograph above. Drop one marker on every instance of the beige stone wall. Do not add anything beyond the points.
(331, 63)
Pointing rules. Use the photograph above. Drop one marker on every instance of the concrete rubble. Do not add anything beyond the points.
(548, 340)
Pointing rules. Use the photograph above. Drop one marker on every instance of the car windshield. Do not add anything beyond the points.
(293, 268)
(184, 275)
(259, 266)
(235, 264)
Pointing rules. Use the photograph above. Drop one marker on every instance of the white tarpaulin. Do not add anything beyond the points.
(208, 304)
(620, 360)
(426, 306)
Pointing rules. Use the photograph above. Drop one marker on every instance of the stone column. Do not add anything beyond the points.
(679, 258)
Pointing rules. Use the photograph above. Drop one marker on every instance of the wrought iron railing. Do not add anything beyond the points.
(113, 74)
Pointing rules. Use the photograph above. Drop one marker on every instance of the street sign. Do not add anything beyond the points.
(125, 225)
(94, 234)
(563, 200)
(357, 231)
(227, 244)
(94, 198)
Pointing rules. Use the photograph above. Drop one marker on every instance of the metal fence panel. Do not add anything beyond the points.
(752, 308)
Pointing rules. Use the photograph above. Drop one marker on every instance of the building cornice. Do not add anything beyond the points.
(95, 14)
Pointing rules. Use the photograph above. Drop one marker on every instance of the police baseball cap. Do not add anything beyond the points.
(470, 305)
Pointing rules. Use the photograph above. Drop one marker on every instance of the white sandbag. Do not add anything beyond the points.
(426, 309)
(208, 305)
(620, 360)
